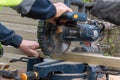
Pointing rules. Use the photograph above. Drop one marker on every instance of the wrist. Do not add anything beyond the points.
(16, 41)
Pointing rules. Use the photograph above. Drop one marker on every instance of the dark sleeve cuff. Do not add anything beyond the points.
(41, 9)
(16, 41)
(8, 37)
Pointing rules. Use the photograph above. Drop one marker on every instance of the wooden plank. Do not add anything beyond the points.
(28, 32)
(89, 58)
(12, 50)
(8, 11)
(93, 59)
(17, 19)
(10, 15)
(21, 27)
(27, 35)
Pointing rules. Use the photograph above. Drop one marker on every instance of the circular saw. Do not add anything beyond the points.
(56, 39)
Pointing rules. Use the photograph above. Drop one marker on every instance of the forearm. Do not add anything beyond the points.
(8, 37)
(37, 9)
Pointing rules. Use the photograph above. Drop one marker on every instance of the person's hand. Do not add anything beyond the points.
(29, 48)
(61, 8)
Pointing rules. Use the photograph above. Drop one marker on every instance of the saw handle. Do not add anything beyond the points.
(73, 16)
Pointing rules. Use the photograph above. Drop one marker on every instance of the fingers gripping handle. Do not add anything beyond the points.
(75, 16)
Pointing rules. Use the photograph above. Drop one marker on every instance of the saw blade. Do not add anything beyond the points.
(61, 46)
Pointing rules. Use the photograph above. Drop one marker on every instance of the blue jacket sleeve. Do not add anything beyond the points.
(8, 37)
(36, 9)
(42, 9)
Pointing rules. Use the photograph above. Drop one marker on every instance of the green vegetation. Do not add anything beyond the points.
(0, 45)
(1, 50)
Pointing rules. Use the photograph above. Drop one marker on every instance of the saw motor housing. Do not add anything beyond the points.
(81, 32)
